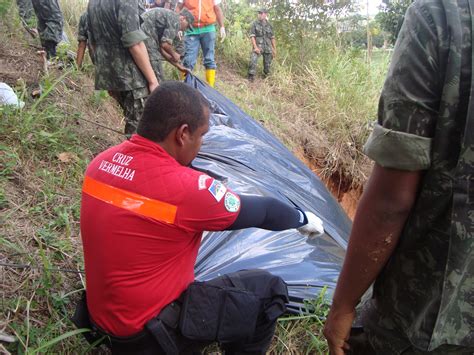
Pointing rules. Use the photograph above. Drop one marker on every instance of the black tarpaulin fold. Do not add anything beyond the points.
(249, 160)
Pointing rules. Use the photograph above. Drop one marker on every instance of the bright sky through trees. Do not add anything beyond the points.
(373, 6)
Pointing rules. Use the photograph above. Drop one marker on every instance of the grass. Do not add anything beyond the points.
(320, 108)
(320, 105)
(44, 150)
(72, 11)
(40, 233)
(40, 209)
(39, 229)
(320, 99)
(302, 334)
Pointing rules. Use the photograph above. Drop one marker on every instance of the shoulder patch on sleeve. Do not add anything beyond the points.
(217, 189)
(202, 181)
(231, 202)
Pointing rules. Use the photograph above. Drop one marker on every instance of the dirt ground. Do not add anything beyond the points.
(341, 188)
(22, 66)
(19, 61)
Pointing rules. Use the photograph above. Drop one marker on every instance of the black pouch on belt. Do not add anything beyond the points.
(81, 320)
(214, 313)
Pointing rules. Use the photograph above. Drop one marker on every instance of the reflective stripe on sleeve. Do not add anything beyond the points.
(139, 204)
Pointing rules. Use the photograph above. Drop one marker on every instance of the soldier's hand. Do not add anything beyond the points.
(183, 69)
(274, 53)
(337, 330)
(176, 57)
(257, 50)
(152, 86)
(33, 31)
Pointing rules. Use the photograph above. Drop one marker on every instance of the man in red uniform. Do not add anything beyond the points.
(142, 218)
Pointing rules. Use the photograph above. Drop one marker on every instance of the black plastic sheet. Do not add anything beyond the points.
(248, 159)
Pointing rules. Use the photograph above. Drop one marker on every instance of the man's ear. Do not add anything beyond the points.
(182, 134)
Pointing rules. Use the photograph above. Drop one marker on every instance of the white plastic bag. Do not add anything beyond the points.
(8, 96)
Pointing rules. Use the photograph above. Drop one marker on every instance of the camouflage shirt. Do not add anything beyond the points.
(50, 20)
(82, 28)
(425, 294)
(114, 26)
(160, 25)
(26, 12)
(263, 33)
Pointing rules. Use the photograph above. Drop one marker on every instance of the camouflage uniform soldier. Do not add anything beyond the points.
(162, 27)
(83, 40)
(414, 229)
(164, 4)
(178, 42)
(121, 59)
(26, 12)
(263, 43)
(50, 24)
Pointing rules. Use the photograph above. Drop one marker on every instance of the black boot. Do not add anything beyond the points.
(50, 48)
(251, 78)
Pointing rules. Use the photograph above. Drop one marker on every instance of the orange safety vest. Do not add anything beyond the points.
(202, 10)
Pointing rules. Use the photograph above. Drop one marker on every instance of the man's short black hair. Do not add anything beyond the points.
(170, 106)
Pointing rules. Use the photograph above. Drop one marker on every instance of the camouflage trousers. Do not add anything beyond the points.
(267, 61)
(132, 103)
(50, 20)
(157, 68)
(390, 343)
(26, 12)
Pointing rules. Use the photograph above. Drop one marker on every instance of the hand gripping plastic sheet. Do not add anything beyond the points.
(247, 158)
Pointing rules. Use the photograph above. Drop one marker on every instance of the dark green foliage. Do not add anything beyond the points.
(354, 32)
(391, 15)
(293, 22)
(4, 6)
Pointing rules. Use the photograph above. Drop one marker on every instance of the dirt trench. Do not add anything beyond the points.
(340, 186)
(342, 189)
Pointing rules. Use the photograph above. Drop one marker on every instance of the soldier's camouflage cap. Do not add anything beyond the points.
(189, 17)
(262, 11)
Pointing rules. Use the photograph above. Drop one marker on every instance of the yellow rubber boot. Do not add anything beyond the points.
(211, 77)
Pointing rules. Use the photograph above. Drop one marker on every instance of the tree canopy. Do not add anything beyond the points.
(391, 15)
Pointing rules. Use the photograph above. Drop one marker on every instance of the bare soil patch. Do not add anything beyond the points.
(341, 187)
(19, 60)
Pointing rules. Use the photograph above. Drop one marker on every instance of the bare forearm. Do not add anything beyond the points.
(171, 57)
(372, 242)
(142, 60)
(219, 15)
(254, 42)
(274, 47)
(169, 53)
(380, 217)
(81, 50)
(167, 56)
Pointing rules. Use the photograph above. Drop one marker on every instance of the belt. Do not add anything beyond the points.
(156, 329)
(156, 326)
